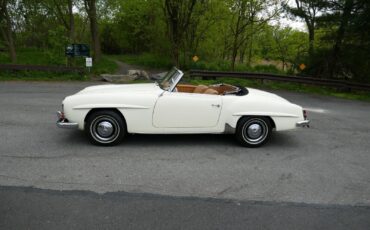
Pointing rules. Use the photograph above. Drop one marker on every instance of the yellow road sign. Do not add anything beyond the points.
(302, 66)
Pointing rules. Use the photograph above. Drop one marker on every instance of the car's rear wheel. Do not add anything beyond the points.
(105, 127)
(253, 131)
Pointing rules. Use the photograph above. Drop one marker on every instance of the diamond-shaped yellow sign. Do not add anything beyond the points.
(195, 58)
(302, 66)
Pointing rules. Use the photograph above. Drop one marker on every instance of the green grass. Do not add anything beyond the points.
(105, 65)
(270, 85)
(30, 56)
(40, 57)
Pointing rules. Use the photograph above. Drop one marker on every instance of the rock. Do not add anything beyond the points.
(138, 75)
(116, 78)
(158, 76)
(121, 78)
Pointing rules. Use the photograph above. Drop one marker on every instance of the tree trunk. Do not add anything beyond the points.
(311, 40)
(250, 52)
(175, 44)
(340, 35)
(241, 55)
(7, 32)
(71, 22)
(91, 11)
(234, 54)
(178, 17)
(235, 44)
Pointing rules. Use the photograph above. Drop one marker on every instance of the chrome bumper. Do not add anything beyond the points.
(305, 123)
(64, 123)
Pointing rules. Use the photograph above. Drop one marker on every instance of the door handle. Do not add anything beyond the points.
(216, 105)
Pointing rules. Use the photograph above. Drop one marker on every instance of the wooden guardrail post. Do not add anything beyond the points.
(60, 69)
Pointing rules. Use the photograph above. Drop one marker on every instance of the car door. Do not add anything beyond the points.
(187, 110)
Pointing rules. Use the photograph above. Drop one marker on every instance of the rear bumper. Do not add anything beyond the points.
(305, 123)
(64, 123)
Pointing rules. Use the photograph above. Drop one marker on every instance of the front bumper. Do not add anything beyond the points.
(305, 123)
(64, 123)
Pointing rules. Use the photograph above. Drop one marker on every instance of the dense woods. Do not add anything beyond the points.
(224, 34)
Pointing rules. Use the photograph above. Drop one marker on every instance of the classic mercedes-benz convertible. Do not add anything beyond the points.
(109, 112)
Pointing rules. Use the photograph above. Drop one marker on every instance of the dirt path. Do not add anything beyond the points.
(123, 68)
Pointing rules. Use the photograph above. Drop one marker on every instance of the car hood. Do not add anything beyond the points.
(123, 88)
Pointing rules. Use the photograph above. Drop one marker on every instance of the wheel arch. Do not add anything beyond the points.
(273, 125)
(93, 110)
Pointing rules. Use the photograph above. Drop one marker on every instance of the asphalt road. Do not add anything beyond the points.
(324, 166)
(26, 208)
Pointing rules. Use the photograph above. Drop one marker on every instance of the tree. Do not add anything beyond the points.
(345, 47)
(248, 14)
(6, 28)
(178, 17)
(62, 10)
(90, 6)
(308, 10)
(281, 39)
(289, 46)
(347, 8)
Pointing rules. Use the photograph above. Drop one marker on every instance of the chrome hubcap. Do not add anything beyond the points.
(254, 131)
(105, 129)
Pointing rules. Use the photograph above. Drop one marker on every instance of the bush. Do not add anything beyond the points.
(267, 69)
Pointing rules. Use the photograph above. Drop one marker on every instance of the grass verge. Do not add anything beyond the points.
(39, 57)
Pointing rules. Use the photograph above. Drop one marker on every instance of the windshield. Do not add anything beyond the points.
(171, 79)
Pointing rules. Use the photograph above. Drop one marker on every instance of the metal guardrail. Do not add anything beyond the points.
(283, 78)
(60, 69)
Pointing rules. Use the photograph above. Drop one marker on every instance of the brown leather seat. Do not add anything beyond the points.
(211, 91)
(200, 89)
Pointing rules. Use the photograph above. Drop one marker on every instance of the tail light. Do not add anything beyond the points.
(305, 114)
(61, 116)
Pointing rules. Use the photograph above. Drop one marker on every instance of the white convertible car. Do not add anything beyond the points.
(108, 112)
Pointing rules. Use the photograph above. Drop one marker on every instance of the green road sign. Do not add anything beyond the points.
(77, 50)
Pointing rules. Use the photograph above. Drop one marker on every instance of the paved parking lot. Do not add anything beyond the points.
(328, 163)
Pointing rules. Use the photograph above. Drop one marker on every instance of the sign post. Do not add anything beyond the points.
(89, 63)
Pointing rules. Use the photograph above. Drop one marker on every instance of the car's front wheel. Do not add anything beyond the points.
(253, 131)
(105, 127)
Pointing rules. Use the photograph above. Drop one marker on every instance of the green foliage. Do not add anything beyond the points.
(137, 27)
(219, 32)
(105, 65)
(32, 56)
(57, 42)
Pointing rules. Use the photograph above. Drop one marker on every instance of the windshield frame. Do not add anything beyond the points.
(171, 79)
